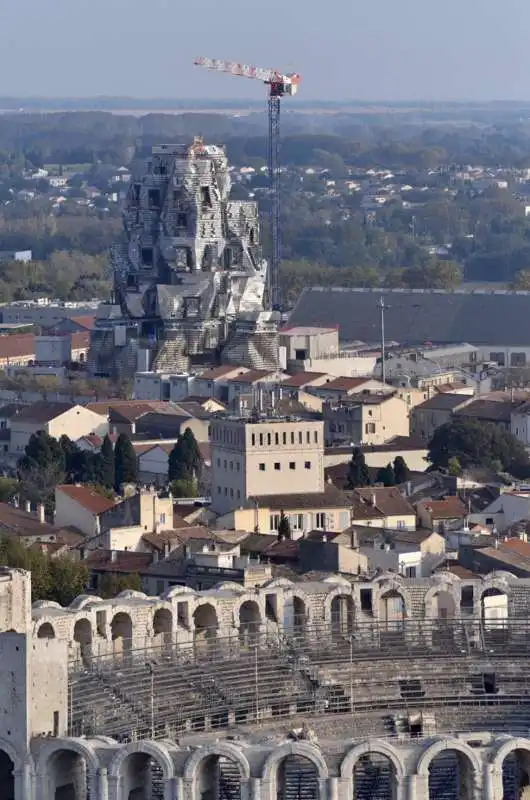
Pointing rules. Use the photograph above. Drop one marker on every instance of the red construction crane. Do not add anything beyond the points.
(280, 85)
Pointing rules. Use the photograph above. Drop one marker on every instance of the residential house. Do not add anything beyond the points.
(426, 417)
(56, 419)
(17, 350)
(497, 411)
(337, 389)
(213, 382)
(255, 388)
(382, 507)
(365, 419)
(520, 423)
(80, 507)
(331, 552)
(450, 513)
(509, 507)
(257, 456)
(112, 525)
(32, 528)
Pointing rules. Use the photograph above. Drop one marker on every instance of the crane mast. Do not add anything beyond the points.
(280, 85)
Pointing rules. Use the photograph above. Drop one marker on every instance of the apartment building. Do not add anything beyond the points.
(368, 419)
(262, 456)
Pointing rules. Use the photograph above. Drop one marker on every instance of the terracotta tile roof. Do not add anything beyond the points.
(86, 321)
(288, 548)
(448, 508)
(132, 410)
(488, 410)
(518, 546)
(80, 340)
(119, 561)
(43, 411)
(302, 379)
(17, 346)
(87, 498)
(251, 376)
(388, 500)
(219, 372)
(17, 522)
(344, 384)
(444, 401)
(330, 498)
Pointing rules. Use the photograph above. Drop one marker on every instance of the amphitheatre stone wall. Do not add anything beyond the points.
(393, 689)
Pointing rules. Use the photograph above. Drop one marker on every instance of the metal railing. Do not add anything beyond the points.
(367, 671)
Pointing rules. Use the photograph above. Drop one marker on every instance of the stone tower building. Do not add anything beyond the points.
(189, 281)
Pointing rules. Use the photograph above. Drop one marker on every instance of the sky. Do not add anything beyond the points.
(344, 49)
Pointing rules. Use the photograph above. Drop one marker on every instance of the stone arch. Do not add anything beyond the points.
(507, 764)
(437, 764)
(443, 596)
(342, 614)
(121, 629)
(83, 636)
(375, 746)
(64, 753)
(303, 749)
(163, 626)
(84, 600)
(494, 600)
(129, 765)
(249, 620)
(295, 612)
(304, 754)
(224, 749)
(46, 631)
(9, 764)
(206, 622)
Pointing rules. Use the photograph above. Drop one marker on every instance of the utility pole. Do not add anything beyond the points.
(382, 308)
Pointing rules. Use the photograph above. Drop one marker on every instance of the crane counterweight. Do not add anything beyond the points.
(280, 85)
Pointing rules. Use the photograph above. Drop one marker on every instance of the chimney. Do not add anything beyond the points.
(41, 512)
(113, 556)
(82, 554)
(166, 549)
(373, 500)
(354, 539)
(27, 506)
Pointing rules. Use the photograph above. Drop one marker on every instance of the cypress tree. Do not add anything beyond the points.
(401, 470)
(125, 464)
(358, 474)
(105, 464)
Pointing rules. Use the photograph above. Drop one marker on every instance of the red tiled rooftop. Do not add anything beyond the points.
(87, 497)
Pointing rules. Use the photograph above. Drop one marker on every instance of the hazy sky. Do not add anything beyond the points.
(366, 49)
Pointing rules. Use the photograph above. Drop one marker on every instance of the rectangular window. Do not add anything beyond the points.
(253, 440)
(231, 466)
(261, 467)
(218, 490)
(499, 358)
(274, 522)
(410, 572)
(307, 464)
(292, 437)
(308, 437)
(162, 519)
(277, 466)
(369, 427)
(261, 439)
(316, 437)
(320, 520)
(517, 359)
(226, 491)
(366, 600)
(292, 464)
(269, 439)
(218, 462)
(284, 438)
(300, 437)
(276, 438)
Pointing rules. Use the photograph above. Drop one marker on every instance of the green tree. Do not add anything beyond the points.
(185, 460)
(386, 476)
(9, 488)
(358, 474)
(521, 281)
(125, 463)
(401, 470)
(184, 487)
(41, 468)
(104, 467)
(475, 444)
(453, 467)
(284, 528)
(111, 584)
(59, 579)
